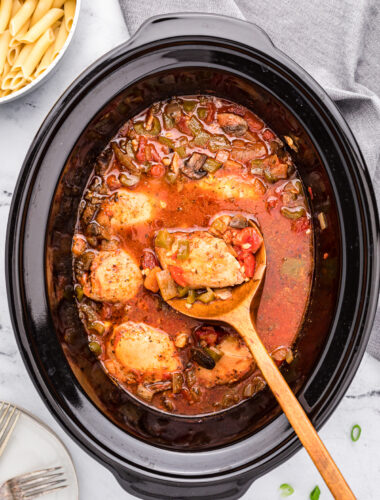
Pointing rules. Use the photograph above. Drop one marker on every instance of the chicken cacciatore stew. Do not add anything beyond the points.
(172, 210)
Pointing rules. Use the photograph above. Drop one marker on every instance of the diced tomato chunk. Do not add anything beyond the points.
(249, 263)
(301, 224)
(148, 259)
(271, 202)
(210, 113)
(177, 275)
(157, 170)
(140, 155)
(267, 135)
(248, 236)
(254, 124)
(153, 152)
(208, 334)
(236, 109)
(113, 182)
(183, 126)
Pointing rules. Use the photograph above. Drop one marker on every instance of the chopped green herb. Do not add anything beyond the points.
(355, 432)
(286, 490)
(314, 495)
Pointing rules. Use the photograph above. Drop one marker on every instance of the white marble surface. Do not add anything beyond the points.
(100, 28)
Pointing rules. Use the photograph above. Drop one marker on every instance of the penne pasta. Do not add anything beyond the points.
(42, 25)
(39, 49)
(4, 44)
(69, 8)
(60, 39)
(32, 34)
(17, 81)
(6, 70)
(4, 93)
(22, 16)
(21, 32)
(5, 14)
(16, 6)
(45, 61)
(23, 55)
(13, 53)
(42, 8)
(5, 85)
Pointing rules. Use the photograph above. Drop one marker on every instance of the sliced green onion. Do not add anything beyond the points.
(355, 432)
(286, 490)
(314, 495)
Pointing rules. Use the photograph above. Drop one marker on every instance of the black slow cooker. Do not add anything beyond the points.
(152, 454)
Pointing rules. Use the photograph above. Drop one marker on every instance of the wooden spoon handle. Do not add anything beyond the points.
(293, 410)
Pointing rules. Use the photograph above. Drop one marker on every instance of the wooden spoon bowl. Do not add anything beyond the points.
(238, 312)
(245, 297)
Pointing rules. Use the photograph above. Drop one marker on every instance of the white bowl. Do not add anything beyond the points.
(51, 68)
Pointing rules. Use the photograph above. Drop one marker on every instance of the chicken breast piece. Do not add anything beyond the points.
(113, 277)
(126, 209)
(236, 363)
(232, 186)
(142, 353)
(210, 262)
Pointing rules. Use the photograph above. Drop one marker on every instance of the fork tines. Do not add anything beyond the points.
(9, 415)
(36, 483)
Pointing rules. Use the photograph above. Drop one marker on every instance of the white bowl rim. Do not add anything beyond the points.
(37, 81)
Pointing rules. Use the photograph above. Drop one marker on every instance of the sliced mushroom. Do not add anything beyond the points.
(193, 166)
(173, 109)
(124, 159)
(232, 124)
(102, 162)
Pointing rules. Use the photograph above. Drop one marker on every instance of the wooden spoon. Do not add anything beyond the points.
(238, 312)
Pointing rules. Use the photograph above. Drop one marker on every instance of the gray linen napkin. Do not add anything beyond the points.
(337, 42)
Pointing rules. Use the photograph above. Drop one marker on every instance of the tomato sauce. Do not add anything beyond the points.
(273, 195)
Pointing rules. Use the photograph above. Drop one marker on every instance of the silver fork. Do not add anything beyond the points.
(33, 484)
(8, 419)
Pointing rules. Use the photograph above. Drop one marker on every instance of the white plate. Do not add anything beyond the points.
(33, 446)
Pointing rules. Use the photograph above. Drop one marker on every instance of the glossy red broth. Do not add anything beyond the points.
(256, 178)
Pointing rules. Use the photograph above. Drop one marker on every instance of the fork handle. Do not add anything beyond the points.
(291, 407)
